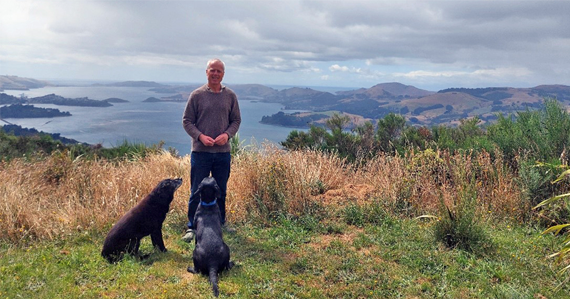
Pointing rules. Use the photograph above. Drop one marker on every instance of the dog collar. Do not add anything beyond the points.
(209, 204)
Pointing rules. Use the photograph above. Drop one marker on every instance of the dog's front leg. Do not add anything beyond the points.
(230, 265)
(192, 270)
(157, 241)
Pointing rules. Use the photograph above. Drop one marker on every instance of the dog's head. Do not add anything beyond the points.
(209, 190)
(166, 188)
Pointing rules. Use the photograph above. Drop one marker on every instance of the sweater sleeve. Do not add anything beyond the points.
(235, 118)
(189, 118)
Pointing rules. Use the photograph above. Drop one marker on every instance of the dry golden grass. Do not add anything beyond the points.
(53, 197)
(424, 178)
(57, 196)
(270, 180)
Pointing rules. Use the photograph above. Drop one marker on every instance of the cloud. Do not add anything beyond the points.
(497, 73)
(347, 42)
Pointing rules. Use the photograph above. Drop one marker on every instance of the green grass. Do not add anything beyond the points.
(302, 258)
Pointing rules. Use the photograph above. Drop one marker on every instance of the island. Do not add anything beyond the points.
(294, 120)
(29, 111)
(115, 100)
(8, 99)
(152, 100)
(133, 84)
(59, 100)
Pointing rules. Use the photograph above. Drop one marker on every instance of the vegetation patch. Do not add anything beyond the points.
(340, 209)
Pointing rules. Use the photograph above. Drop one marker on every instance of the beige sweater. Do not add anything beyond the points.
(211, 114)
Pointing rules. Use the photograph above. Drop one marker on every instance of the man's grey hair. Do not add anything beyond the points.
(214, 60)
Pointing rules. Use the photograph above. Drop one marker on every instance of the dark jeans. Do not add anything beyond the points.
(202, 164)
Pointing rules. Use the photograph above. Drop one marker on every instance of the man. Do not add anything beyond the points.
(211, 118)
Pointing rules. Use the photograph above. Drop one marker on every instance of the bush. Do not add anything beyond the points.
(371, 213)
(458, 225)
(42, 145)
(540, 135)
(560, 255)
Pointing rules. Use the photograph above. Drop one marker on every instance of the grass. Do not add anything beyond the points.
(309, 225)
(293, 259)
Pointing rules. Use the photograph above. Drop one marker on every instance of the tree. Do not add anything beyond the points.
(389, 130)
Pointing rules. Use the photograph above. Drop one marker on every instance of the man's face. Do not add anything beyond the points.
(215, 73)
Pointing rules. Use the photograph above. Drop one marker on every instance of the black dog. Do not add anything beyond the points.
(142, 220)
(211, 255)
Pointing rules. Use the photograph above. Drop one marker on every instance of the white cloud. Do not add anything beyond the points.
(338, 68)
(478, 74)
(348, 42)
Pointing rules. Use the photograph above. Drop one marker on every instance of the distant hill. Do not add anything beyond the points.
(388, 90)
(180, 93)
(420, 107)
(18, 83)
(134, 84)
(253, 90)
(176, 88)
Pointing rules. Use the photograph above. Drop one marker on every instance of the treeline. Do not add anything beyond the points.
(539, 135)
(20, 131)
(522, 139)
(36, 145)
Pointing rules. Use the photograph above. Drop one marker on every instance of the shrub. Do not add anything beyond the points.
(458, 225)
(359, 215)
(560, 255)
(540, 135)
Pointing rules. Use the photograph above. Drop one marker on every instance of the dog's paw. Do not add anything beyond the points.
(231, 264)
(191, 270)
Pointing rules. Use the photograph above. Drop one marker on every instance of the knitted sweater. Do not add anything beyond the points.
(211, 114)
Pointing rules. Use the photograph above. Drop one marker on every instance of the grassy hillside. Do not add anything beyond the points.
(309, 225)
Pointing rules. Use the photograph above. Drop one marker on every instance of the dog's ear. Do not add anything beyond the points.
(200, 187)
(218, 191)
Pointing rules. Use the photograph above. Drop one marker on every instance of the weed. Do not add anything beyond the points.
(460, 227)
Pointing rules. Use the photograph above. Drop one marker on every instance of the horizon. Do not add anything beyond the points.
(274, 86)
(431, 45)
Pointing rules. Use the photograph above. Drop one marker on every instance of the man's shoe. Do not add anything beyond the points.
(189, 236)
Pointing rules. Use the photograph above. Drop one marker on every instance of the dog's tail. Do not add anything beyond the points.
(214, 281)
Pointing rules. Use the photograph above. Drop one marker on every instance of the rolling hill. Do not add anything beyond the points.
(418, 106)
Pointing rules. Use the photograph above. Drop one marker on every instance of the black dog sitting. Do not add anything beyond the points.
(211, 255)
(142, 220)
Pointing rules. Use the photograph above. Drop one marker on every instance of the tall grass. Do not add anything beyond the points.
(415, 184)
(269, 182)
(56, 196)
(59, 195)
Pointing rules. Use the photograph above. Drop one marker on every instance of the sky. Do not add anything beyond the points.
(431, 45)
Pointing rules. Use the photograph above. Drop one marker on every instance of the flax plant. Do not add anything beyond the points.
(561, 255)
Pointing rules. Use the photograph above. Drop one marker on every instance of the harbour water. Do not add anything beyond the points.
(137, 121)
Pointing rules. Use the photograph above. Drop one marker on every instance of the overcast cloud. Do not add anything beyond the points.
(428, 44)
